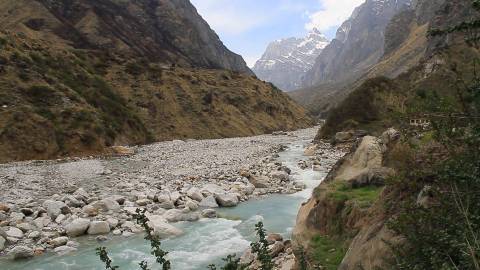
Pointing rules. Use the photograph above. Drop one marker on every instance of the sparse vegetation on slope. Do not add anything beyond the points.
(426, 216)
(80, 102)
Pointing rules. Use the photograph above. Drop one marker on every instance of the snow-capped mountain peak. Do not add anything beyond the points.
(286, 60)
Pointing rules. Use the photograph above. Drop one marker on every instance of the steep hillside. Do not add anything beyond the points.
(75, 81)
(399, 42)
(358, 45)
(167, 31)
(286, 61)
(377, 103)
(357, 211)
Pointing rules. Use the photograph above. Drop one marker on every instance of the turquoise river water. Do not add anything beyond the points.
(205, 241)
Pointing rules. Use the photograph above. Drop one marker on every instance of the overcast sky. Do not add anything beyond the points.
(247, 26)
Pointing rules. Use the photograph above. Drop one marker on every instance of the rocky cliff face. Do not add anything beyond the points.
(286, 61)
(336, 211)
(77, 77)
(358, 45)
(405, 44)
(168, 31)
(347, 210)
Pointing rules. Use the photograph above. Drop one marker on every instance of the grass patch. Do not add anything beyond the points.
(327, 252)
(427, 137)
(364, 196)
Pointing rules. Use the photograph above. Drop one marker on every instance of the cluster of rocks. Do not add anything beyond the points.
(46, 204)
(280, 250)
(321, 157)
(32, 227)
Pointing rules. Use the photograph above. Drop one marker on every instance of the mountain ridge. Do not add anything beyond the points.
(168, 31)
(77, 77)
(286, 61)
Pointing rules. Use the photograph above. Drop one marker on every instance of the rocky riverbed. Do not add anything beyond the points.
(44, 205)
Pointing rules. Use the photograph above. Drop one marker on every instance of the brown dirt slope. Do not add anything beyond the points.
(65, 101)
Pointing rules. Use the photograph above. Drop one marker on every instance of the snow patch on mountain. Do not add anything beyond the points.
(286, 61)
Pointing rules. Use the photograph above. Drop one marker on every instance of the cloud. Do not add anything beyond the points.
(332, 13)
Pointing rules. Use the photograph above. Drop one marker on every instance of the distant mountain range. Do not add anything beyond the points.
(286, 61)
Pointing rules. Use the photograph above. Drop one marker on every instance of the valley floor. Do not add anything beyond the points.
(171, 165)
(44, 205)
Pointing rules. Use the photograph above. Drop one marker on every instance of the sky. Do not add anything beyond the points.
(247, 26)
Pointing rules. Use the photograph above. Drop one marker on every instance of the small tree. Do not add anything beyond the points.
(261, 248)
(155, 244)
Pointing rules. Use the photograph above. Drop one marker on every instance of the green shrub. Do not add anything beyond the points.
(359, 107)
(440, 215)
(42, 95)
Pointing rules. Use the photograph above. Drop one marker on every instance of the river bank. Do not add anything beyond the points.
(176, 181)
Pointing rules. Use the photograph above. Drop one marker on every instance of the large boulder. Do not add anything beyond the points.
(143, 202)
(55, 208)
(90, 210)
(165, 201)
(107, 204)
(59, 241)
(14, 232)
(195, 194)
(209, 213)
(259, 181)
(367, 155)
(276, 249)
(17, 217)
(176, 215)
(21, 252)
(274, 237)
(212, 189)
(209, 202)
(42, 222)
(389, 136)
(243, 189)
(280, 175)
(77, 227)
(74, 202)
(98, 227)
(192, 205)
(227, 199)
(161, 228)
(25, 227)
(112, 222)
(372, 177)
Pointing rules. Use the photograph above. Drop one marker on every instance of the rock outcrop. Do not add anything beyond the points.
(347, 208)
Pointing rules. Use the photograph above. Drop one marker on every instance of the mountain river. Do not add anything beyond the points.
(204, 242)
